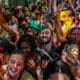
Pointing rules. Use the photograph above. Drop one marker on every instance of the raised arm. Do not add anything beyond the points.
(6, 27)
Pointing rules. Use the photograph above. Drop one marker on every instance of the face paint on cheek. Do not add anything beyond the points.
(20, 68)
(9, 63)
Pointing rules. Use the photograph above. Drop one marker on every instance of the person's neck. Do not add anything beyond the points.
(47, 46)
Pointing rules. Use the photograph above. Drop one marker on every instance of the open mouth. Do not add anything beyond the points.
(13, 70)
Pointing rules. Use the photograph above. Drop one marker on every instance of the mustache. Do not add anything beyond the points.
(44, 37)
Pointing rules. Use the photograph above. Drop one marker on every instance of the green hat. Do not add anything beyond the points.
(35, 24)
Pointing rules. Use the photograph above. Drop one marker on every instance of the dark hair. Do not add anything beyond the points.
(23, 27)
(33, 8)
(8, 17)
(71, 30)
(8, 47)
(51, 22)
(29, 39)
(63, 46)
(58, 67)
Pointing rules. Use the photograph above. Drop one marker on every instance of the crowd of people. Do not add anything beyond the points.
(40, 41)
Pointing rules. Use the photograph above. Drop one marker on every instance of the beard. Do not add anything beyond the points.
(46, 42)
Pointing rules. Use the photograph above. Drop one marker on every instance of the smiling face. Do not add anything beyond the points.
(45, 35)
(15, 65)
(73, 53)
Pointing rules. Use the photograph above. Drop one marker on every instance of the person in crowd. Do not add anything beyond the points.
(76, 22)
(74, 35)
(13, 22)
(46, 43)
(43, 9)
(22, 29)
(58, 70)
(33, 28)
(7, 27)
(50, 23)
(15, 67)
(69, 54)
(34, 11)
(38, 32)
(28, 19)
(28, 46)
(27, 10)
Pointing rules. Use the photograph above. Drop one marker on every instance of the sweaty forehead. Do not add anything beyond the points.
(46, 29)
(16, 57)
